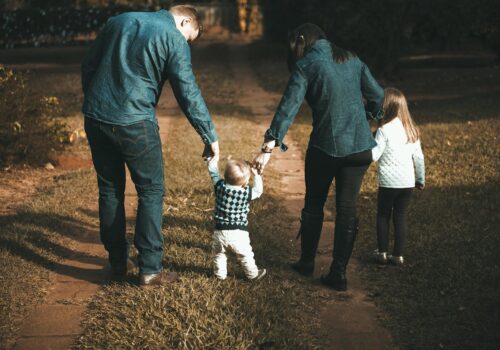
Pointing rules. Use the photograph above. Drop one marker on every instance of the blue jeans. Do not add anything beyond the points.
(139, 147)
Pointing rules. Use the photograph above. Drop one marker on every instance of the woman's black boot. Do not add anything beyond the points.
(310, 233)
(345, 235)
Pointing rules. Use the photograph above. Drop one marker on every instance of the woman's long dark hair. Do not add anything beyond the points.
(302, 38)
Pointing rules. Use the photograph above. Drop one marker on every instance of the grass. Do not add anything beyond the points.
(201, 311)
(447, 294)
(35, 238)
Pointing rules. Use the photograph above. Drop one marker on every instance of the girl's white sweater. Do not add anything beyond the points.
(396, 157)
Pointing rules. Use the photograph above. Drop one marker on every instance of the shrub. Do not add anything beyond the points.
(29, 128)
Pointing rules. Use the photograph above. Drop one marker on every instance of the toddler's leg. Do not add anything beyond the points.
(240, 244)
(220, 259)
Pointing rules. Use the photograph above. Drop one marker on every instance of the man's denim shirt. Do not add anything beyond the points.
(125, 69)
(335, 93)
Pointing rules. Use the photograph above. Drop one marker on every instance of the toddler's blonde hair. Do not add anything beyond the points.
(237, 172)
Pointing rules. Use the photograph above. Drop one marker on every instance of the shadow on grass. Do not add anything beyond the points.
(42, 238)
(448, 291)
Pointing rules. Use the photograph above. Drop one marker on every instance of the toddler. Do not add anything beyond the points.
(399, 156)
(232, 204)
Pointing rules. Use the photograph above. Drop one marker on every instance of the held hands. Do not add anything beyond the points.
(260, 161)
(211, 152)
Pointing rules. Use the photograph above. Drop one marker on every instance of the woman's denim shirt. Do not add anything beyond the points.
(335, 93)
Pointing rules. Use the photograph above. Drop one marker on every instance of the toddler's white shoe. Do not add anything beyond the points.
(261, 273)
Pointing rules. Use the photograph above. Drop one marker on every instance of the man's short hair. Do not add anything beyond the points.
(190, 12)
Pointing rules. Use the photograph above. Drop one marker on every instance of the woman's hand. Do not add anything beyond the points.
(260, 161)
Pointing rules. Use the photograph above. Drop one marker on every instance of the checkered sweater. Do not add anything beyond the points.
(232, 203)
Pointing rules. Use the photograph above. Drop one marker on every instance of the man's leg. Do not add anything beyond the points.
(142, 151)
(110, 170)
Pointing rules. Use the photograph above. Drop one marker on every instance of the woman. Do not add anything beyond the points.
(334, 82)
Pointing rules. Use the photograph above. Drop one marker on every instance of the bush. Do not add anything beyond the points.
(29, 129)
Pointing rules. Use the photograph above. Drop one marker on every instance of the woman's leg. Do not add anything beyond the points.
(348, 183)
(319, 172)
(401, 204)
(385, 202)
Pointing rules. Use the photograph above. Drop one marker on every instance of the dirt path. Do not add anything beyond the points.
(350, 323)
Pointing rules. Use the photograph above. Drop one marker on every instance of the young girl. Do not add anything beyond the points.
(398, 149)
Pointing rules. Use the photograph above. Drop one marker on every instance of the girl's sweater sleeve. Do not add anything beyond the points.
(378, 150)
(258, 187)
(418, 159)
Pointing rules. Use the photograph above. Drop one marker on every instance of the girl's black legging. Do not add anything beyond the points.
(395, 202)
(348, 172)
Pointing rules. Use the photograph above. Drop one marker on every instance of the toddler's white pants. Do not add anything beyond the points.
(239, 242)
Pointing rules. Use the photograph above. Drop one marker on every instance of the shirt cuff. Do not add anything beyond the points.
(209, 137)
(269, 136)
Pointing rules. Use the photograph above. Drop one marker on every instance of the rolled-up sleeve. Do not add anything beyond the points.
(373, 93)
(288, 108)
(186, 91)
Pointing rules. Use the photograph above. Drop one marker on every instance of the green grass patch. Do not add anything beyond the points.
(201, 311)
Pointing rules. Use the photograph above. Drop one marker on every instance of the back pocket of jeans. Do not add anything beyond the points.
(135, 139)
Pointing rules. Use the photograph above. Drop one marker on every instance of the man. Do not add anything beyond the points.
(122, 77)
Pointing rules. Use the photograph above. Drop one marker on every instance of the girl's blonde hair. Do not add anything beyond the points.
(237, 172)
(395, 105)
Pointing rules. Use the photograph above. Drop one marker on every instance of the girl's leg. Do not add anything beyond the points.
(385, 202)
(401, 204)
(219, 252)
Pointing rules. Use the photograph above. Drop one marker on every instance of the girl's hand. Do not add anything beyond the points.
(260, 162)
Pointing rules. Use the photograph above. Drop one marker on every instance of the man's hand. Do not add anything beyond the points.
(211, 152)
(419, 186)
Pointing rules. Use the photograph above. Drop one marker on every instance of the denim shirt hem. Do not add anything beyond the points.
(137, 118)
(339, 154)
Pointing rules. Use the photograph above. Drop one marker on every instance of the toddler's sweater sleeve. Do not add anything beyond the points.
(418, 159)
(258, 187)
(213, 170)
(381, 139)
